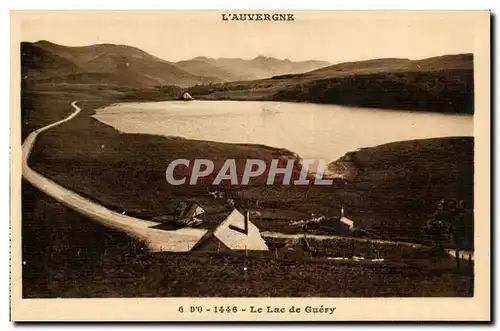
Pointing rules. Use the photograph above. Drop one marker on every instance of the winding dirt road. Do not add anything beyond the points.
(157, 240)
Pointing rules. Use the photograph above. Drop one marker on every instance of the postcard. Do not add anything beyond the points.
(250, 165)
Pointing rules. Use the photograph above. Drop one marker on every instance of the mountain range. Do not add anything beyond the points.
(110, 64)
(442, 84)
(235, 69)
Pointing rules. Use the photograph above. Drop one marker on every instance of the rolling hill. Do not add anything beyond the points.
(459, 61)
(46, 62)
(437, 84)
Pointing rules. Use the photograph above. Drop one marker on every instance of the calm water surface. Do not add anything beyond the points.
(312, 131)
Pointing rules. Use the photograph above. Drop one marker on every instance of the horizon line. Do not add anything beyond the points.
(250, 58)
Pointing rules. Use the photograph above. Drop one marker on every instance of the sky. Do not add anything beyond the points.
(330, 36)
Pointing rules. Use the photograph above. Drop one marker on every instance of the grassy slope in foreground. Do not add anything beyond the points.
(69, 256)
(442, 84)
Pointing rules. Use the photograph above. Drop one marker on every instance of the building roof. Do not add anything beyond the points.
(233, 233)
(194, 210)
(346, 221)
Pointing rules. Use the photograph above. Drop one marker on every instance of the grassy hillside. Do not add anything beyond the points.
(406, 179)
(459, 61)
(49, 63)
(439, 84)
(37, 62)
(392, 195)
(68, 256)
(445, 91)
(49, 103)
(45, 63)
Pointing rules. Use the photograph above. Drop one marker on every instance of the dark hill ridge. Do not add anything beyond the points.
(124, 65)
(438, 84)
(37, 61)
(459, 61)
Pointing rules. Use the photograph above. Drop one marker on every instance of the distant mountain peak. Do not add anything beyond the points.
(202, 58)
(270, 58)
(239, 69)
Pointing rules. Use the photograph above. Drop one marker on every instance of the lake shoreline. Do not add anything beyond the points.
(277, 124)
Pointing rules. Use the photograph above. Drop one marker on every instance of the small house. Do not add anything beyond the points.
(345, 223)
(236, 232)
(189, 216)
(194, 211)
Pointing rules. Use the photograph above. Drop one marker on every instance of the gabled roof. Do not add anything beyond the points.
(194, 210)
(233, 233)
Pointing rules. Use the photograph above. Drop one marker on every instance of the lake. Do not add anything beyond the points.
(310, 130)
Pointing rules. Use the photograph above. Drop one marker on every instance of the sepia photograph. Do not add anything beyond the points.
(281, 157)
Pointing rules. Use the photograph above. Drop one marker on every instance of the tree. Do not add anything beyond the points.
(451, 220)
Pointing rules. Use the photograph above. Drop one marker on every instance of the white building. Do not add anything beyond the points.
(236, 232)
(345, 223)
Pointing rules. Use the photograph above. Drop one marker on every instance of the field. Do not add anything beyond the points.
(395, 191)
(68, 256)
